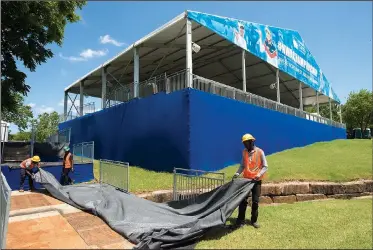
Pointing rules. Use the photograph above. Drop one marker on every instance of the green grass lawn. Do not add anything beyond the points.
(141, 180)
(325, 224)
(340, 160)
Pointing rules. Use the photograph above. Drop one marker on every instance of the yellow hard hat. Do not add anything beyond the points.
(35, 158)
(247, 137)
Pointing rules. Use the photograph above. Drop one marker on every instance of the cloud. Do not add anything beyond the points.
(40, 109)
(82, 20)
(72, 58)
(88, 53)
(107, 39)
(85, 55)
(44, 109)
(31, 105)
(80, 14)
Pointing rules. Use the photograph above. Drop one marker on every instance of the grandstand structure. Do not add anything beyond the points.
(254, 64)
(191, 52)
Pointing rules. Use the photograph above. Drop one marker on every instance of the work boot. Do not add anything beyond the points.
(255, 224)
(238, 224)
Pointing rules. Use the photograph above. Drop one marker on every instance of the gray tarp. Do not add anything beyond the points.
(148, 224)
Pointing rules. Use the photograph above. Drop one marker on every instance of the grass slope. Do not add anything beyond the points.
(339, 160)
(313, 225)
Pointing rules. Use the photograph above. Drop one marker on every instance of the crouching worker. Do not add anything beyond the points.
(27, 169)
(67, 166)
(254, 166)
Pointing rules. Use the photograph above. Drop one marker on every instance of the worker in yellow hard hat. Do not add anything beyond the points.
(254, 166)
(26, 169)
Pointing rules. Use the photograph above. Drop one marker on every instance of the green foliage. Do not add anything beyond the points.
(20, 114)
(27, 28)
(20, 136)
(325, 111)
(46, 125)
(358, 110)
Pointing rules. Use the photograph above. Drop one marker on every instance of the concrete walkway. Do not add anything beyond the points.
(37, 220)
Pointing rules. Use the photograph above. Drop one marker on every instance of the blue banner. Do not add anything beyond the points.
(282, 48)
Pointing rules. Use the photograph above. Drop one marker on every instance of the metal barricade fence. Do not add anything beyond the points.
(115, 173)
(5, 193)
(188, 183)
(84, 152)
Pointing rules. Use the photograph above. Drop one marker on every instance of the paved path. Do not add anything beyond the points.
(37, 220)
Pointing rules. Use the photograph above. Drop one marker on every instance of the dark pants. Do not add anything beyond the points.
(65, 179)
(24, 173)
(255, 204)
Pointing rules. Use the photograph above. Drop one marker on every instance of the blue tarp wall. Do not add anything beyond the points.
(82, 173)
(217, 125)
(150, 132)
(191, 129)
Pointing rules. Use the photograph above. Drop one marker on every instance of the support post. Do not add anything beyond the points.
(243, 71)
(189, 62)
(104, 84)
(317, 103)
(136, 72)
(32, 138)
(81, 96)
(65, 106)
(330, 109)
(300, 96)
(278, 85)
(340, 113)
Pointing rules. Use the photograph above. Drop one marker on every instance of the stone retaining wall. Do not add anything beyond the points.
(291, 192)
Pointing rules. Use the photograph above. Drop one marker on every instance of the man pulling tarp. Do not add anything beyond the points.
(253, 166)
(148, 224)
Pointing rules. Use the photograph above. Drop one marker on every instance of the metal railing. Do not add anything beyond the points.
(189, 183)
(177, 81)
(161, 83)
(64, 118)
(115, 173)
(84, 152)
(62, 136)
(217, 88)
(88, 108)
(5, 193)
(123, 93)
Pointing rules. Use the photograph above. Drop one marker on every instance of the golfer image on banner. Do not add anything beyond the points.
(269, 47)
(239, 38)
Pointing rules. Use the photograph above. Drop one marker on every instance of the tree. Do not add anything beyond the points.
(27, 27)
(21, 114)
(358, 110)
(46, 125)
(325, 111)
(20, 136)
